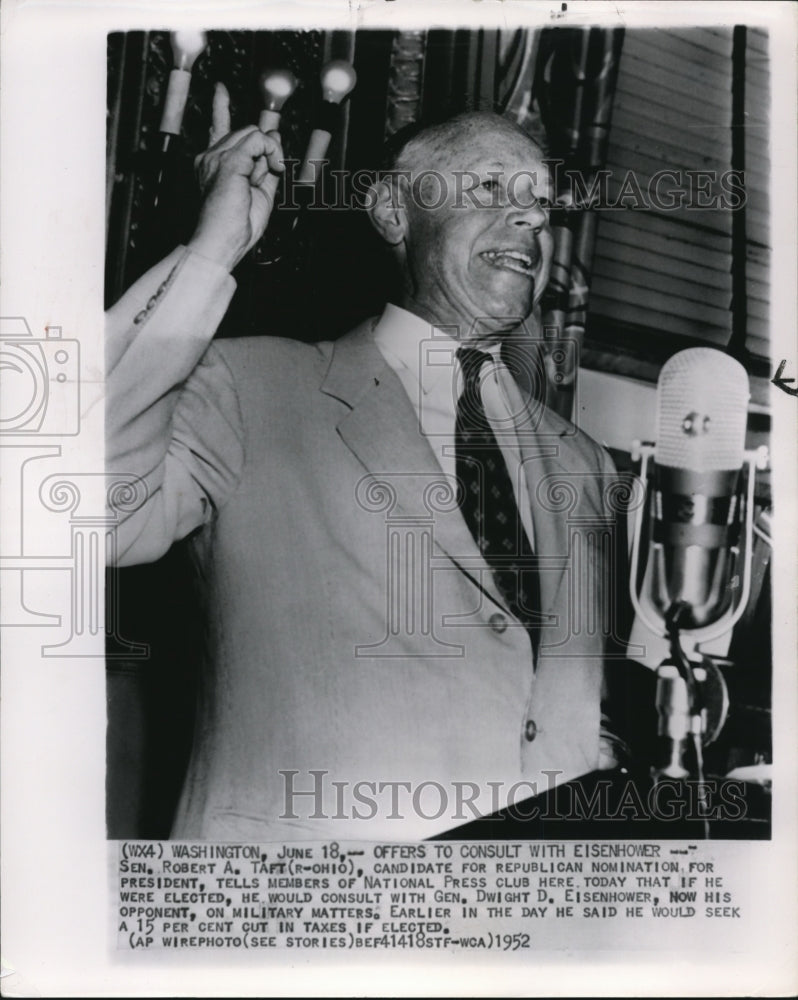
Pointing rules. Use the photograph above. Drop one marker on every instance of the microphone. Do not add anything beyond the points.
(702, 408)
(691, 590)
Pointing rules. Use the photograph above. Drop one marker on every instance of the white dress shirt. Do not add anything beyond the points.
(424, 358)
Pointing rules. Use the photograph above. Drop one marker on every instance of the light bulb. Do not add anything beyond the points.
(338, 78)
(276, 86)
(186, 46)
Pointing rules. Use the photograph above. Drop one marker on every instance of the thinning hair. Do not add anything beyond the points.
(417, 146)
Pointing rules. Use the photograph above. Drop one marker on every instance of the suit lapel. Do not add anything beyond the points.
(382, 430)
(562, 488)
(541, 460)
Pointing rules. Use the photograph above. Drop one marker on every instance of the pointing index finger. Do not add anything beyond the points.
(220, 114)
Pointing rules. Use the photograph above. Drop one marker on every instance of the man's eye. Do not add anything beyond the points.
(489, 184)
(545, 204)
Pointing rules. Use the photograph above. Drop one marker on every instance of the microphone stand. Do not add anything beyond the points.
(692, 697)
(683, 719)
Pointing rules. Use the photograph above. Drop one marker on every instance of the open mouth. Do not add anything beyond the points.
(510, 260)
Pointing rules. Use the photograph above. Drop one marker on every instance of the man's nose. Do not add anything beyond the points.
(526, 211)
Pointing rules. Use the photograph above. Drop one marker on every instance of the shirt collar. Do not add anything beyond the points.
(424, 350)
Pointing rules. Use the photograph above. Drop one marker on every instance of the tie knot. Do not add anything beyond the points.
(471, 362)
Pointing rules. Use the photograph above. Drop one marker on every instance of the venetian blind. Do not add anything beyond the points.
(666, 271)
(757, 173)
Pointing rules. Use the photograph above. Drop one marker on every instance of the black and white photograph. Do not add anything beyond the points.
(395, 613)
(399, 497)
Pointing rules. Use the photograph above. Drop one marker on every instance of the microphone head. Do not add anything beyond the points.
(702, 411)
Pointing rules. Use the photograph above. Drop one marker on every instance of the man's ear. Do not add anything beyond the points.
(387, 209)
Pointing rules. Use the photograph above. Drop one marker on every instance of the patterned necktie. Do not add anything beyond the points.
(487, 499)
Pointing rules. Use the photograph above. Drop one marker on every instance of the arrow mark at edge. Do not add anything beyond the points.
(781, 383)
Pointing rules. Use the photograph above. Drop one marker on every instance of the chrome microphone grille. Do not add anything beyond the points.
(702, 409)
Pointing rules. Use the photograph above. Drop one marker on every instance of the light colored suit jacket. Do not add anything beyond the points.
(364, 676)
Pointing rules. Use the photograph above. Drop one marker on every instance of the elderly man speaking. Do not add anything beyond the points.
(403, 626)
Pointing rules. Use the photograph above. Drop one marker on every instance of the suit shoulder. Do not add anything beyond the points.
(273, 357)
(580, 442)
(234, 349)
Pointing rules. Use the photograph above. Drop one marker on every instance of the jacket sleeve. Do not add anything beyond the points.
(172, 424)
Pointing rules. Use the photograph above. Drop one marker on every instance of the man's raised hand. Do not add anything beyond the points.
(238, 176)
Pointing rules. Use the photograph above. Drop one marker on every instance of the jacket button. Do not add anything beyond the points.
(498, 623)
(530, 730)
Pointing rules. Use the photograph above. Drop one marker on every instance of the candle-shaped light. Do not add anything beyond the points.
(338, 79)
(276, 86)
(186, 47)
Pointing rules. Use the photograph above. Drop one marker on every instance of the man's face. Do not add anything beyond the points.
(479, 245)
